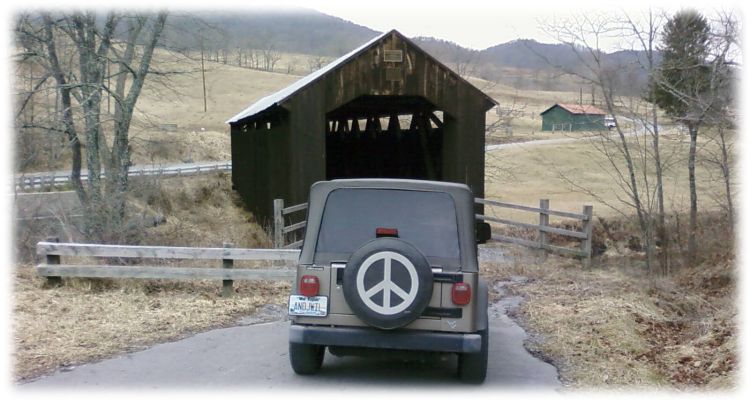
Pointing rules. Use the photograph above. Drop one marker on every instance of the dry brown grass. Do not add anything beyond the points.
(87, 320)
(613, 326)
(530, 172)
(200, 211)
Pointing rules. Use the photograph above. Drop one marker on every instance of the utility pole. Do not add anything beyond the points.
(580, 97)
(203, 73)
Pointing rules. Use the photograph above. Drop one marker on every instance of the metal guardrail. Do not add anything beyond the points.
(36, 181)
(54, 270)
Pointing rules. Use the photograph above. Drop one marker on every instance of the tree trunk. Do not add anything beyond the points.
(726, 172)
(67, 109)
(691, 251)
(120, 164)
(643, 217)
(661, 220)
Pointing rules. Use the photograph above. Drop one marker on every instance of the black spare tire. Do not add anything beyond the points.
(387, 283)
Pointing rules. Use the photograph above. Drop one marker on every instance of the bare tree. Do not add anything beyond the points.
(271, 56)
(724, 46)
(464, 61)
(79, 70)
(583, 34)
(694, 86)
(644, 36)
(316, 62)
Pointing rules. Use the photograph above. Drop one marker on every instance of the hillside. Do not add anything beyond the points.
(296, 30)
(306, 31)
(171, 126)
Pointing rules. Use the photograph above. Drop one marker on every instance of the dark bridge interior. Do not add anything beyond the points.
(385, 137)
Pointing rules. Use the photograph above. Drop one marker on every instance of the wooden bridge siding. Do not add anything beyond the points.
(304, 150)
(463, 151)
(260, 169)
(463, 145)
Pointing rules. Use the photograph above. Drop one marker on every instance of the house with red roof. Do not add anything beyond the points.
(573, 118)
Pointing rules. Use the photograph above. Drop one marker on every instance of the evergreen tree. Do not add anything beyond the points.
(682, 89)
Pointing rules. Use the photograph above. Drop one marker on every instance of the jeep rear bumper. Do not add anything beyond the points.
(397, 339)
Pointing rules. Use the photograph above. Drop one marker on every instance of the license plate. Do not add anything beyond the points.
(316, 306)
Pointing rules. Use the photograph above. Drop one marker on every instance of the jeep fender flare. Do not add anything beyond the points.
(481, 306)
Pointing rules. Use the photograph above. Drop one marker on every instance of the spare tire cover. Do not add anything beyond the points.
(387, 283)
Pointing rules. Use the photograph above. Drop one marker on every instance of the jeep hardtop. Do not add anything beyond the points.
(389, 264)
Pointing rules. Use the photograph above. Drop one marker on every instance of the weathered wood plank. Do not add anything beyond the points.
(278, 223)
(548, 229)
(150, 272)
(291, 209)
(227, 285)
(543, 221)
(201, 253)
(531, 209)
(536, 245)
(294, 227)
(588, 229)
(514, 240)
(294, 245)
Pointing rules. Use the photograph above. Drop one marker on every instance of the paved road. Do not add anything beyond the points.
(640, 129)
(255, 357)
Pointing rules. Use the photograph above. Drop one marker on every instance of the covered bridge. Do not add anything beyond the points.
(572, 117)
(386, 109)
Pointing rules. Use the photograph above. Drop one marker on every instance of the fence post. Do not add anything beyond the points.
(227, 284)
(278, 223)
(53, 259)
(543, 222)
(588, 224)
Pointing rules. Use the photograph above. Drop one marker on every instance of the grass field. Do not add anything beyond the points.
(526, 173)
(170, 124)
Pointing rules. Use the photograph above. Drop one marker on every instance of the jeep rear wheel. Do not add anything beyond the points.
(472, 367)
(306, 359)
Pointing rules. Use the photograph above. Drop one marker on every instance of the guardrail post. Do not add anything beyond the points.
(227, 288)
(53, 259)
(543, 222)
(278, 223)
(588, 226)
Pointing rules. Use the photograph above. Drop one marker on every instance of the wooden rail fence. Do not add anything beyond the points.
(543, 228)
(54, 270)
(281, 230)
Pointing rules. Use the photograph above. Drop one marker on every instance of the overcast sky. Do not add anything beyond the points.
(475, 24)
(480, 24)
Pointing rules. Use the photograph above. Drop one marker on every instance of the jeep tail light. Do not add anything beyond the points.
(309, 285)
(386, 232)
(461, 293)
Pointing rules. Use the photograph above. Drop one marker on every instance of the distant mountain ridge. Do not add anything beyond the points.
(311, 32)
(293, 31)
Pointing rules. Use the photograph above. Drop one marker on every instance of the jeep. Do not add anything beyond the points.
(389, 264)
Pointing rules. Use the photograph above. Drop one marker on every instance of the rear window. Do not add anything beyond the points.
(425, 219)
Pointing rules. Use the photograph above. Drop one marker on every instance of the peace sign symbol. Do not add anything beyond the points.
(387, 286)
